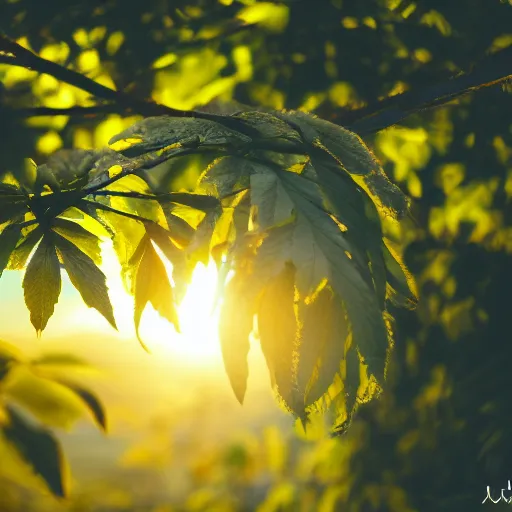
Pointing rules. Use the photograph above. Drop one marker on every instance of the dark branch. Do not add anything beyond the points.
(20, 56)
(495, 69)
(377, 116)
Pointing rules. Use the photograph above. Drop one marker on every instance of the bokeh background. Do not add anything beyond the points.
(178, 440)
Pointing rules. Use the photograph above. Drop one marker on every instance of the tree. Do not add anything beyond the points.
(291, 202)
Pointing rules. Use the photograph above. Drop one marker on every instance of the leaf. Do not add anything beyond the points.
(58, 359)
(273, 205)
(90, 400)
(347, 147)
(86, 241)
(9, 356)
(42, 283)
(39, 448)
(181, 269)
(319, 249)
(151, 285)
(67, 168)
(235, 326)
(277, 328)
(355, 210)
(43, 396)
(86, 277)
(322, 347)
(159, 132)
(198, 201)
(352, 379)
(21, 253)
(12, 209)
(399, 279)
(270, 127)
(227, 175)
(9, 238)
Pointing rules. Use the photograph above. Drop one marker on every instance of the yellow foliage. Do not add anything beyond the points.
(450, 176)
(165, 61)
(48, 143)
(58, 52)
(341, 94)
(114, 42)
(88, 61)
(276, 449)
(350, 22)
(271, 16)
(436, 19)
(243, 60)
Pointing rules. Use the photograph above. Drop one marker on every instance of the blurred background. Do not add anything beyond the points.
(177, 438)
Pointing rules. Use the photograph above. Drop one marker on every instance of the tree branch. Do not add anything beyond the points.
(377, 116)
(20, 56)
(495, 69)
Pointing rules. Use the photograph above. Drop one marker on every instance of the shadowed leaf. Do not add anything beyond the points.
(8, 240)
(90, 400)
(38, 448)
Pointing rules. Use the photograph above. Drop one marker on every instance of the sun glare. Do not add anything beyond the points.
(196, 344)
(198, 322)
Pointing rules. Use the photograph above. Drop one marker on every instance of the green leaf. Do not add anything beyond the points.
(271, 127)
(355, 210)
(12, 210)
(21, 253)
(38, 447)
(227, 175)
(9, 356)
(352, 379)
(347, 147)
(278, 330)
(91, 402)
(273, 204)
(67, 169)
(86, 277)
(198, 201)
(181, 269)
(86, 241)
(9, 238)
(322, 346)
(42, 283)
(235, 326)
(151, 284)
(159, 132)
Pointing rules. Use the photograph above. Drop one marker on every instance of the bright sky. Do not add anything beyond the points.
(181, 369)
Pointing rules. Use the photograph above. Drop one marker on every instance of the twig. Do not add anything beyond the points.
(495, 69)
(20, 56)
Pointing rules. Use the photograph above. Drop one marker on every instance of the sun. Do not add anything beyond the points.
(199, 321)
(198, 341)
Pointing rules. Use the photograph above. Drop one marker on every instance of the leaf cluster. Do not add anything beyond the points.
(289, 208)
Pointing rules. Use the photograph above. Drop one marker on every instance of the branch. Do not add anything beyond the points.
(494, 69)
(17, 55)
(108, 108)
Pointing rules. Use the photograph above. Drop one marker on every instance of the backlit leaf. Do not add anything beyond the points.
(86, 277)
(235, 325)
(42, 283)
(151, 284)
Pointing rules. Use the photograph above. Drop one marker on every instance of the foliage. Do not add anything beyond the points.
(303, 239)
(35, 392)
(437, 436)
